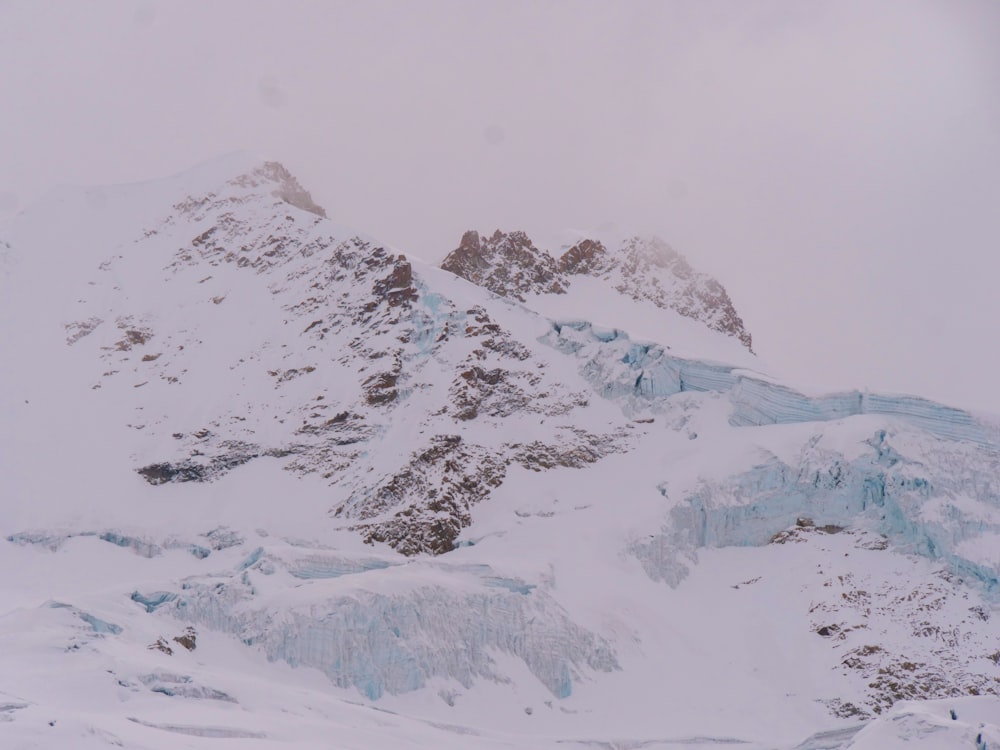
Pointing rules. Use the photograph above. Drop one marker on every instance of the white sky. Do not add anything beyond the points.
(835, 164)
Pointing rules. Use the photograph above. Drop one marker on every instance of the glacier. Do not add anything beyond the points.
(881, 490)
(400, 641)
(642, 374)
(396, 642)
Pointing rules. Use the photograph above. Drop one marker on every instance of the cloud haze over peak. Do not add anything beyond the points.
(835, 164)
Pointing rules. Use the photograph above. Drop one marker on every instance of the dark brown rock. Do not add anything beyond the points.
(508, 264)
(585, 257)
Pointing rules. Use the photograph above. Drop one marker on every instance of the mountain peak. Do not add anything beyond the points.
(642, 268)
(283, 186)
(651, 269)
(506, 263)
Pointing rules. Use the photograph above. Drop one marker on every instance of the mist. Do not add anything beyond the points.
(835, 164)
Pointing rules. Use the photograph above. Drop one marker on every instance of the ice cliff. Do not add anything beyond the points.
(934, 505)
(929, 480)
(641, 374)
(398, 640)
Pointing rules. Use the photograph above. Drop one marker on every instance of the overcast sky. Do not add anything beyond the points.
(835, 164)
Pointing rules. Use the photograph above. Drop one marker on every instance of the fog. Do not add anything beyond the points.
(835, 164)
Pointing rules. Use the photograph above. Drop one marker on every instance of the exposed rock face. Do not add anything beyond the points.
(932, 664)
(649, 269)
(425, 505)
(507, 264)
(585, 257)
(283, 186)
(431, 496)
(363, 342)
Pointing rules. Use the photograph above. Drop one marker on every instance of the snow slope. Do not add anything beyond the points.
(388, 506)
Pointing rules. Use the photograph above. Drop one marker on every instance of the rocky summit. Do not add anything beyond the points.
(640, 268)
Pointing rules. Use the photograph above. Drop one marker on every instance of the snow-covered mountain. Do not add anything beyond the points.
(265, 478)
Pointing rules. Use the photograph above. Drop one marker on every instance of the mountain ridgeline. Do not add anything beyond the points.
(509, 264)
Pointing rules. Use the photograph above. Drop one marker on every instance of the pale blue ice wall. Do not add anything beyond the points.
(643, 374)
(382, 643)
(881, 490)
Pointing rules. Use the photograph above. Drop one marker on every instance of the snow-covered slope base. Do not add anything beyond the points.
(269, 480)
(91, 666)
(971, 722)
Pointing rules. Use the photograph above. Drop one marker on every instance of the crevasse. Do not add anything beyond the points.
(881, 490)
(640, 374)
(395, 643)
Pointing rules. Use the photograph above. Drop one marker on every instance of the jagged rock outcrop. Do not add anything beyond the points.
(507, 264)
(282, 184)
(587, 257)
(642, 268)
(648, 268)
